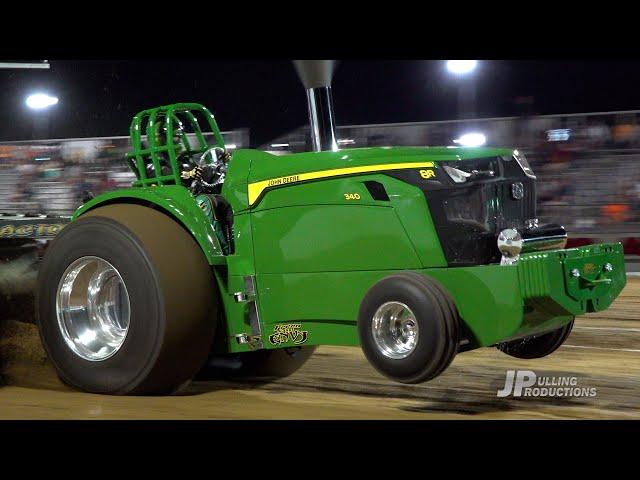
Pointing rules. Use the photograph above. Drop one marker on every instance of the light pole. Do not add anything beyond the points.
(462, 70)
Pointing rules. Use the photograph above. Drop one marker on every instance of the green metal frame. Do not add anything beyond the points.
(150, 122)
(496, 302)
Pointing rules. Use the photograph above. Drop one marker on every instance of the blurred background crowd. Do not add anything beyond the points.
(588, 165)
(52, 176)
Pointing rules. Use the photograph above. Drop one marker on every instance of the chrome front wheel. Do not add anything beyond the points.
(93, 308)
(395, 330)
(408, 327)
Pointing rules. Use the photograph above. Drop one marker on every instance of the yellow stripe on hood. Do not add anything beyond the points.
(255, 189)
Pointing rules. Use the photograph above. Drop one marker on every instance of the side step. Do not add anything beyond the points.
(248, 296)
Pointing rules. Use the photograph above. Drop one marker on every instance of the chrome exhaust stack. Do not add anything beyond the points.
(316, 77)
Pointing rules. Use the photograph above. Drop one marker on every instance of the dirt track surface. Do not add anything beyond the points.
(603, 351)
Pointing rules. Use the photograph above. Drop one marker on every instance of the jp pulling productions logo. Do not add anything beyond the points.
(525, 383)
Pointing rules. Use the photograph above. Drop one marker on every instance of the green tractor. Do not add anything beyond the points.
(241, 265)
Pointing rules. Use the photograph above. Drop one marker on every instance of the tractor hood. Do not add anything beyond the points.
(282, 165)
(268, 171)
(472, 193)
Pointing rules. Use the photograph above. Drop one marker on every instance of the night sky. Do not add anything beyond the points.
(98, 98)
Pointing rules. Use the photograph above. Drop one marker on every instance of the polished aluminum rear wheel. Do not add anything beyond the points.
(93, 308)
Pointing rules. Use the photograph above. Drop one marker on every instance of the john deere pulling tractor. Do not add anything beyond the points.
(242, 264)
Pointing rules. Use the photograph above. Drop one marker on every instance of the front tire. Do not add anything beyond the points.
(537, 346)
(126, 302)
(408, 327)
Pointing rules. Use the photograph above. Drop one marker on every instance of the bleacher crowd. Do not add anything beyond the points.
(588, 166)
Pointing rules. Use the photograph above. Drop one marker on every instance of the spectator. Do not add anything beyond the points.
(597, 134)
(616, 212)
(634, 202)
(624, 133)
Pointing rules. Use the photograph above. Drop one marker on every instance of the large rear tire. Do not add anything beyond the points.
(126, 302)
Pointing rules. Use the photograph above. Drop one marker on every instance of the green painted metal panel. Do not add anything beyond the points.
(271, 166)
(325, 238)
(234, 188)
(496, 302)
(548, 284)
(487, 297)
(177, 201)
(412, 209)
(407, 202)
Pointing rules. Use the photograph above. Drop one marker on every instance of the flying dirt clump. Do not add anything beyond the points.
(18, 278)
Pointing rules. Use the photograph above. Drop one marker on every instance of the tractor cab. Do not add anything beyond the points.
(170, 147)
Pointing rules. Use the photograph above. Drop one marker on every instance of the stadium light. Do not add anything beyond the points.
(461, 67)
(40, 101)
(471, 140)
